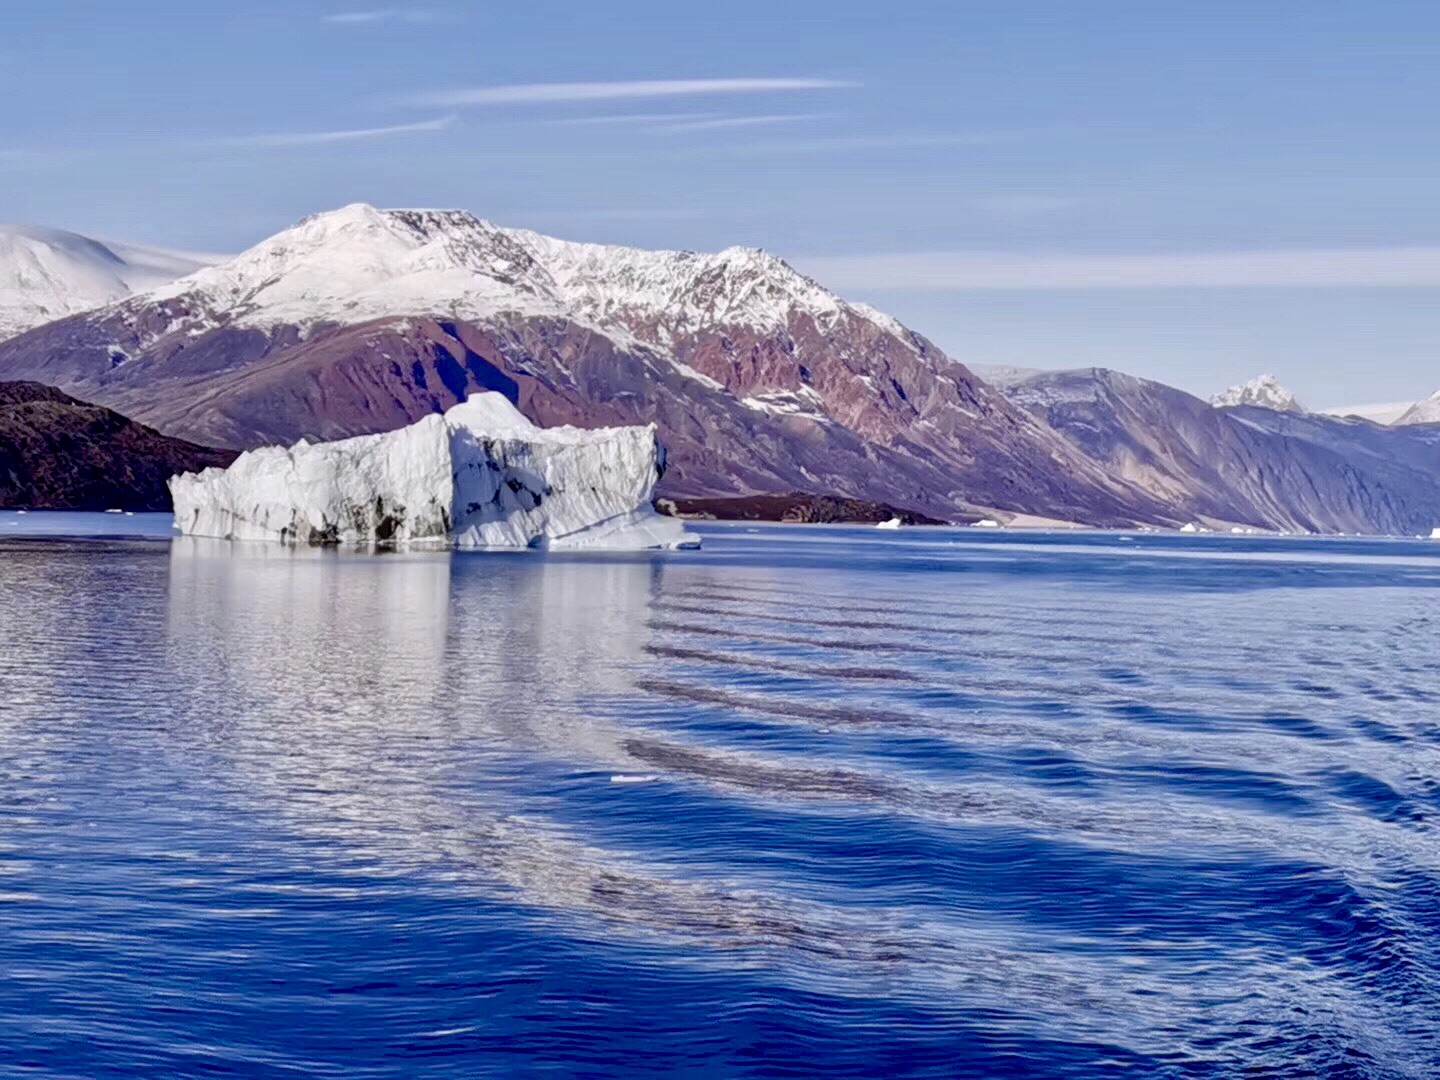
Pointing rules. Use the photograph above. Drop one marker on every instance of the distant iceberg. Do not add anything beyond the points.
(481, 476)
(890, 523)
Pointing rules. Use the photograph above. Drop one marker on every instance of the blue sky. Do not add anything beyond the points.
(1189, 191)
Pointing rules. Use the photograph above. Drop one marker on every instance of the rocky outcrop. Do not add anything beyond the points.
(795, 507)
(57, 453)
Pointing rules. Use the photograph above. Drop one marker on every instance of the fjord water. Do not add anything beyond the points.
(809, 802)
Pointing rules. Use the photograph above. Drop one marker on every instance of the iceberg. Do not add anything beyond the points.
(480, 476)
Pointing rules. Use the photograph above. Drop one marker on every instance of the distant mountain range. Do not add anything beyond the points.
(762, 381)
(1247, 464)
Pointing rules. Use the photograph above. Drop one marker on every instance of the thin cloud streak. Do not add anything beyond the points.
(379, 15)
(321, 138)
(549, 93)
(722, 122)
(630, 118)
(848, 143)
(962, 271)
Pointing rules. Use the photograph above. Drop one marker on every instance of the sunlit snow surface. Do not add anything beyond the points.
(809, 802)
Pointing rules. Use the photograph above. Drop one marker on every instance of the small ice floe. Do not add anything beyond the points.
(1190, 527)
(633, 778)
(892, 523)
(114, 511)
(986, 523)
(1434, 533)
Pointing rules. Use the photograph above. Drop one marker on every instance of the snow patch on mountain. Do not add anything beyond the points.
(480, 476)
(360, 263)
(1422, 412)
(47, 274)
(1264, 392)
(802, 402)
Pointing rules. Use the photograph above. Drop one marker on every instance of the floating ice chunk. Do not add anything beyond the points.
(623, 778)
(986, 523)
(1190, 527)
(892, 523)
(1435, 533)
(481, 476)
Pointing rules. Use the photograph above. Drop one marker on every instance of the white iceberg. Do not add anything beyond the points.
(889, 523)
(481, 476)
(1434, 533)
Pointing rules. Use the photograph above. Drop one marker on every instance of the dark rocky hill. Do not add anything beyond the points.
(59, 453)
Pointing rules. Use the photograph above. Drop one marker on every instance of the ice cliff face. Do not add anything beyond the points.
(1264, 392)
(480, 476)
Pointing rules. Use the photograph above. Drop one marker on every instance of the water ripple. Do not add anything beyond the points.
(926, 804)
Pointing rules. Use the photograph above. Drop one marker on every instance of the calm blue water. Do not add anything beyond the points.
(810, 802)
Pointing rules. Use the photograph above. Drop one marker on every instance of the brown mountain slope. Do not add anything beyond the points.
(59, 453)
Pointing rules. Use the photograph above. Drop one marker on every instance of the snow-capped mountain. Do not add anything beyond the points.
(1422, 412)
(761, 380)
(47, 274)
(1384, 412)
(1263, 392)
(360, 263)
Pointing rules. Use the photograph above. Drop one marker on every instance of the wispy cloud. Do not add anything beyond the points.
(380, 15)
(680, 121)
(637, 119)
(545, 93)
(841, 144)
(320, 138)
(959, 271)
(721, 122)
